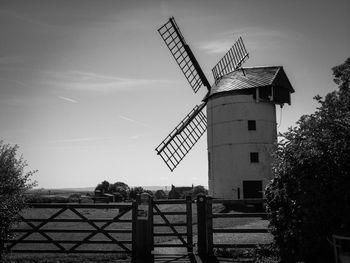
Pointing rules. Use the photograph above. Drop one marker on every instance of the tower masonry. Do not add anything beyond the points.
(242, 130)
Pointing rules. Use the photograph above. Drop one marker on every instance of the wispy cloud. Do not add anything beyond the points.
(216, 46)
(22, 17)
(78, 140)
(89, 81)
(10, 60)
(134, 137)
(67, 99)
(257, 31)
(133, 121)
(17, 82)
(224, 40)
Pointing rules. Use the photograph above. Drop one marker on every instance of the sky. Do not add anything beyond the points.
(88, 89)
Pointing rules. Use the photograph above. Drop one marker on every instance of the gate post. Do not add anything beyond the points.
(189, 223)
(202, 226)
(205, 225)
(134, 206)
(210, 226)
(142, 230)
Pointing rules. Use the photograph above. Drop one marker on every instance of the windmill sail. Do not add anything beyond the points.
(180, 141)
(183, 55)
(231, 61)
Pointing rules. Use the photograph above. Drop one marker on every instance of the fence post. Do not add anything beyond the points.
(133, 233)
(209, 213)
(151, 229)
(142, 238)
(189, 223)
(202, 226)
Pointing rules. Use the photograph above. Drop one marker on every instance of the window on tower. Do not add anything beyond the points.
(251, 125)
(254, 157)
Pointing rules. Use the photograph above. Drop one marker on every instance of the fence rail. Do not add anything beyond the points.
(184, 232)
(207, 220)
(73, 235)
(115, 228)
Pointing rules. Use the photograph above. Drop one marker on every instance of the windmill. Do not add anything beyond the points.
(231, 101)
(185, 135)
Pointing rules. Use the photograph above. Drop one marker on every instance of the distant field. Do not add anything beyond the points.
(61, 192)
(74, 190)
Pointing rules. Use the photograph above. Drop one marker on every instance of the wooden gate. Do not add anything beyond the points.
(208, 227)
(74, 228)
(170, 224)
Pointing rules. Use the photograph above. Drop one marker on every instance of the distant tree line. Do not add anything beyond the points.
(123, 192)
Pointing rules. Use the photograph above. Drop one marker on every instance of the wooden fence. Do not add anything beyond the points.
(85, 228)
(181, 230)
(207, 229)
(74, 228)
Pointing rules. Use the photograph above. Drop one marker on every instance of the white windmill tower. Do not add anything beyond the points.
(241, 118)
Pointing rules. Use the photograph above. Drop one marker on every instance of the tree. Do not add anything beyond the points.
(199, 189)
(148, 192)
(309, 197)
(135, 191)
(120, 188)
(160, 194)
(103, 187)
(14, 181)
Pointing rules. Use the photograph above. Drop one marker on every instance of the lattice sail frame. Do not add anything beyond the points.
(183, 55)
(181, 140)
(232, 60)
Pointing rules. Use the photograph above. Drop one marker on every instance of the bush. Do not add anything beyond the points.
(119, 188)
(309, 197)
(199, 189)
(14, 181)
(259, 254)
(134, 192)
(160, 194)
(118, 197)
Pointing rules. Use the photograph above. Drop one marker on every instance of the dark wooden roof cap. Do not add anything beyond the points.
(251, 78)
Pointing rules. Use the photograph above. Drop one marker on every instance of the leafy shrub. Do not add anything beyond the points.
(259, 254)
(120, 189)
(160, 194)
(14, 181)
(199, 189)
(135, 191)
(309, 197)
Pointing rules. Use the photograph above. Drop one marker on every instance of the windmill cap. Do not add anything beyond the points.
(251, 78)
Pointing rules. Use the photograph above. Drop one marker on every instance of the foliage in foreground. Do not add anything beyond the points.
(309, 197)
(261, 254)
(81, 258)
(14, 181)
